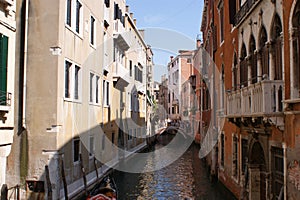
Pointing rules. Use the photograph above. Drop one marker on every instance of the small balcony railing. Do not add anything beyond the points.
(246, 7)
(260, 99)
(118, 27)
(5, 100)
(120, 72)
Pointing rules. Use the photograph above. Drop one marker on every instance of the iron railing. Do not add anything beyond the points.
(5, 98)
(246, 7)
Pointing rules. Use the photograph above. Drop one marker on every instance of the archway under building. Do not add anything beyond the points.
(257, 172)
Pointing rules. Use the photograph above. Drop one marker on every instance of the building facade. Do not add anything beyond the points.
(74, 77)
(179, 70)
(7, 81)
(254, 46)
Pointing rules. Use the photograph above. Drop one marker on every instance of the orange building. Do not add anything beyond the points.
(255, 46)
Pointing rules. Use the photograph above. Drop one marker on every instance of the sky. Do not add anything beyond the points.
(169, 26)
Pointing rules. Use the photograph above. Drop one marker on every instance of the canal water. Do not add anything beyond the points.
(186, 178)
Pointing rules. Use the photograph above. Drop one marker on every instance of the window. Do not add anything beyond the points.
(97, 89)
(68, 73)
(91, 87)
(277, 47)
(76, 82)
(72, 81)
(92, 145)
(3, 69)
(106, 92)
(94, 88)
(221, 13)
(264, 52)
(130, 68)
(222, 149)
(76, 149)
(277, 171)
(235, 157)
(74, 15)
(92, 30)
(253, 60)
(107, 3)
(243, 67)
(78, 16)
(69, 12)
(244, 154)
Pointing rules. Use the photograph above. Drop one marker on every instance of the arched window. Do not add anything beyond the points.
(263, 38)
(253, 60)
(234, 72)
(243, 67)
(277, 47)
(295, 87)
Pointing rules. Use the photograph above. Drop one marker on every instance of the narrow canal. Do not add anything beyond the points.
(187, 178)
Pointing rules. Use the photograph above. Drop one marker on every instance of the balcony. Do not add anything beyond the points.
(120, 75)
(263, 99)
(118, 27)
(244, 10)
(5, 101)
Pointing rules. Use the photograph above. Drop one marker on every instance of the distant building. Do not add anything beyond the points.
(179, 70)
(163, 98)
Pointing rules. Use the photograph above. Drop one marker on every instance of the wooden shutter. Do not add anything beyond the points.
(3, 68)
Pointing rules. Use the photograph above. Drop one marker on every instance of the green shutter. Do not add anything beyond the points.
(3, 68)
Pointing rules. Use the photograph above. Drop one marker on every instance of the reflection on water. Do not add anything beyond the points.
(184, 179)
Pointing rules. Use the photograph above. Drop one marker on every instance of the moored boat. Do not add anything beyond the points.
(104, 190)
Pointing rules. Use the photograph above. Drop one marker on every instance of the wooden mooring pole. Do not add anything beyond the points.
(83, 174)
(63, 176)
(49, 185)
(95, 165)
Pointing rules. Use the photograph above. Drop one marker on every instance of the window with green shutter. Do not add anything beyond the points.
(3, 68)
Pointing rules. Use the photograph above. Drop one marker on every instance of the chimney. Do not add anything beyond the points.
(131, 15)
(127, 9)
(134, 21)
(198, 44)
(171, 58)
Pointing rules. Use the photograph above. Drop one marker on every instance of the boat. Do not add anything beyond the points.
(106, 189)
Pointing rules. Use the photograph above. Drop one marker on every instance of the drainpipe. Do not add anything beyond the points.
(25, 63)
(284, 171)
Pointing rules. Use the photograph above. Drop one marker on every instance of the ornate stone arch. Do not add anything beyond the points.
(276, 47)
(243, 66)
(234, 70)
(295, 49)
(253, 59)
(256, 154)
(264, 52)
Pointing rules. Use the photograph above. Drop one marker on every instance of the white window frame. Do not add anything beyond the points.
(72, 26)
(93, 31)
(72, 81)
(79, 83)
(69, 96)
(94, 88)
(106, 92)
